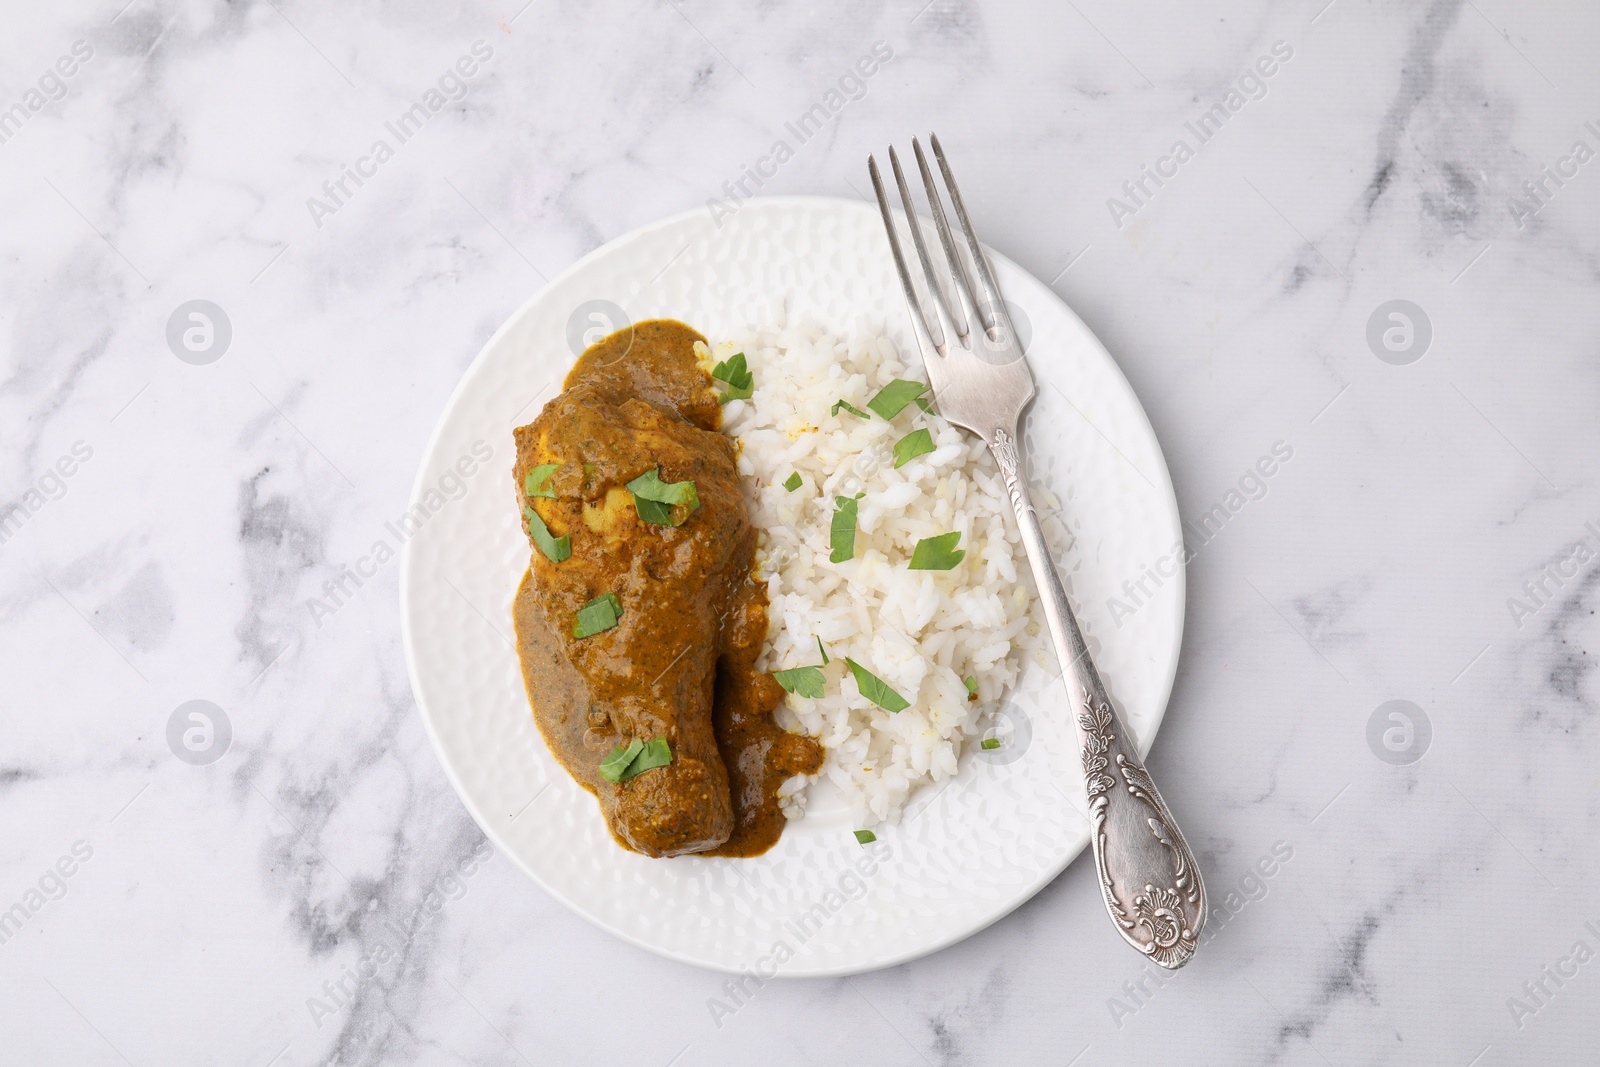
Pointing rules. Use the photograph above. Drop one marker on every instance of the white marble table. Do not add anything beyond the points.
(1432, 536)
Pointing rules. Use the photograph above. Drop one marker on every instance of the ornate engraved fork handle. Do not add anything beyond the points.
(1147, 874)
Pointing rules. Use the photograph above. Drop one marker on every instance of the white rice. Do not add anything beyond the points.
(922, 632)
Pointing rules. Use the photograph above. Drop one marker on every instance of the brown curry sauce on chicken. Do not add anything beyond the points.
(673, 674)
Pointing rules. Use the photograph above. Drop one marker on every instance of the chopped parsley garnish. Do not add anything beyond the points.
(865, 837)
(737, 381)
(801, 681)
(654, 512)
(555, 549)
(876, 689)
(537, 482)
(938, 553)
(792, 482)
(823, 650)
(597, 616)
(620, 758)
(972, 685)
(851, 408)
(842, 534)
(991, 743)
(927, 408)
(634, 758)
(914, 444)
(657, 501)
(656, 753)
(893, 398)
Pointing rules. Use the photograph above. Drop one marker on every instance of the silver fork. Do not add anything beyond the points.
(981, 381)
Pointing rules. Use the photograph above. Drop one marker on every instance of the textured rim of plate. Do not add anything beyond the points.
(420, 485)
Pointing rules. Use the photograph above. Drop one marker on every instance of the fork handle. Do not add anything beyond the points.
(1148, 876)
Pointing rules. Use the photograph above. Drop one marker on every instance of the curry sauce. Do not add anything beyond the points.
(679, 660)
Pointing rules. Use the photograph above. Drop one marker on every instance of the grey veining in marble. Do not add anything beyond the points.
(317, 895)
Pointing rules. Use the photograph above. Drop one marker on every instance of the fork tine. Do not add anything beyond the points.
(915, 305)
(958, 272)
(995, 303)
(947, 320)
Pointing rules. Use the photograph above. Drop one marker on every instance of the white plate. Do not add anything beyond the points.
(818, 903)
